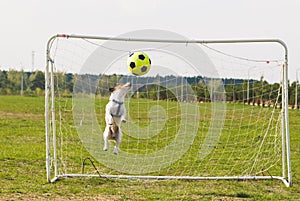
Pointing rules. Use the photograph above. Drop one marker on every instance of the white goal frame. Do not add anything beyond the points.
(50, 122)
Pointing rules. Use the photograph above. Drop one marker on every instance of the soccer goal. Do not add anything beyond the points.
(206, 110)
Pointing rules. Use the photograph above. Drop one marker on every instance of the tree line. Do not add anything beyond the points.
(13, 82)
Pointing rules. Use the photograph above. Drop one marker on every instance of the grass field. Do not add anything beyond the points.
(23, 176)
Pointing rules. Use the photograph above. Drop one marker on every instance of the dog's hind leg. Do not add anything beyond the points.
(123, 117)
(118, 140)
(116, 147)
(117, 144)
(105, 138)
(105, 148)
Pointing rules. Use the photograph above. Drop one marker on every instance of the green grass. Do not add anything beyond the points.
(23, 175)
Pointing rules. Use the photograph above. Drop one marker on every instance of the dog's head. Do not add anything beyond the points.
(120, 91)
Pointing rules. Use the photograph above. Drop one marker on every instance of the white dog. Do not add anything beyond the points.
(115, 113)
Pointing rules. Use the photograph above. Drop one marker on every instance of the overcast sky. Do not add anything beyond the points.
(26, 25)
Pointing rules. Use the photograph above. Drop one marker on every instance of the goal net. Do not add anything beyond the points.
(205, 110)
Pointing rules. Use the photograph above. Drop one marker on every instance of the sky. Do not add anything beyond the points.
(26, 25)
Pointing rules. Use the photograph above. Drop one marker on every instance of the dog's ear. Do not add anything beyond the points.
(111, 89)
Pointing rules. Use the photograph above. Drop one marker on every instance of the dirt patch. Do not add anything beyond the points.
(10, 115)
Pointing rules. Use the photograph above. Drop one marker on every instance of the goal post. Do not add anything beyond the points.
(208, 109)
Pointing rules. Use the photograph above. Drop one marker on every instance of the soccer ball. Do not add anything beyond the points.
(138, 63)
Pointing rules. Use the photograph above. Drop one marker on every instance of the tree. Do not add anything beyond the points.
(3, 82)
(37, 80)
(14, 80)
(3, 79)
(230, 91)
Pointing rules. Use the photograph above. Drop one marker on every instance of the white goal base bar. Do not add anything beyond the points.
(173, 177)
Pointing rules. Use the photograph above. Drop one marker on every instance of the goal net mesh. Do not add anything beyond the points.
(203, 110)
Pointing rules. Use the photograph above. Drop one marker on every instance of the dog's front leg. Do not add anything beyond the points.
(123, 116)
(109, 119)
